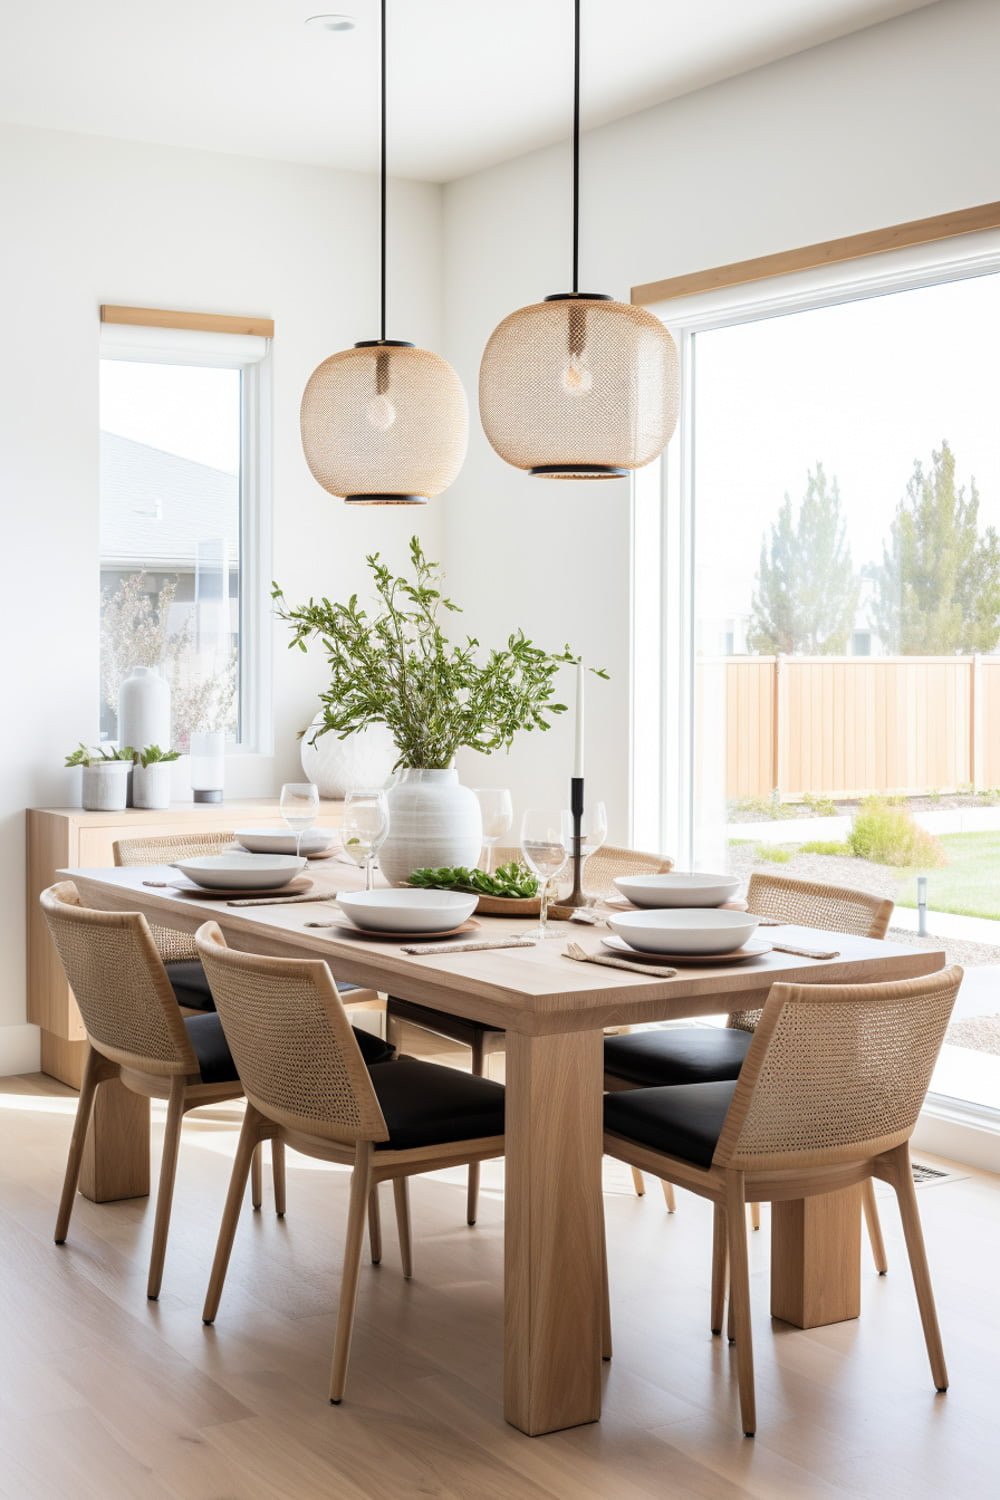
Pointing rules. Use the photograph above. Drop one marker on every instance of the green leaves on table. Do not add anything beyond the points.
(513, 880)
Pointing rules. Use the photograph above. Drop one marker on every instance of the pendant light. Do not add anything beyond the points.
(579, 386)
(384, 423)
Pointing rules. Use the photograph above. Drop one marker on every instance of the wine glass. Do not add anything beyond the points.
(544, 853)
(300, 809)
(363, 829)
(497, 808)
(593, 833)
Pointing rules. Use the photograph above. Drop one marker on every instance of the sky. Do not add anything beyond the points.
(183, 409)
(866, 388)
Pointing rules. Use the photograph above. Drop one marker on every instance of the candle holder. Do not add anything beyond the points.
(576, 896)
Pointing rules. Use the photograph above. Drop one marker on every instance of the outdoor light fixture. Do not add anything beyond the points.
(384, 423)
(579, 386)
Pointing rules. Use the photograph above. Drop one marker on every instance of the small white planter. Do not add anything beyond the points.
(433, 821)
(151, 785)
(105, 786)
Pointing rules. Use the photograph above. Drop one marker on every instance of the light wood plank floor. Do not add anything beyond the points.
(106, 1397)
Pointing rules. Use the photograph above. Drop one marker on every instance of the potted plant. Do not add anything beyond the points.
(105, 776)
(151, 777)
(396, 667)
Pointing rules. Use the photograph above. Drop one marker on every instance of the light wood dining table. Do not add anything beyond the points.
(554, 1011)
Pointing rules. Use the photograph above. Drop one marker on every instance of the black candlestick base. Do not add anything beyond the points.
(576, 896)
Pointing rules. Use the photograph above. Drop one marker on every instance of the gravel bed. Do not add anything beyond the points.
(945, 802)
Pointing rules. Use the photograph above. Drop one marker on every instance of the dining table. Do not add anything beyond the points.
(554, 1012)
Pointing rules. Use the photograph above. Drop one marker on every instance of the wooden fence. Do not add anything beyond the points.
(849, 725)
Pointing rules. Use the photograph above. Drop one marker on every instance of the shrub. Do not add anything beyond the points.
(887, 834)
(826, 846)
(772, 854)
(820, 807)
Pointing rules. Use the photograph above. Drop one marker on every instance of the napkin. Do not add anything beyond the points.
(510, 942)
(573, 950)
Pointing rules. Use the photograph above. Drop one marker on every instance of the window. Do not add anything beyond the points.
(182, 567)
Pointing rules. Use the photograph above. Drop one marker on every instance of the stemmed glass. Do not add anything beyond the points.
(545, 854)
(593, 833)
(497, 808)
(300, 809)
(363, 829)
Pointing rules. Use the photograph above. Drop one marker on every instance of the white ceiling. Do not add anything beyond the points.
(471, 81)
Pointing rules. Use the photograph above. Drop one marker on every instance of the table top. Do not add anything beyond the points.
(532, 990)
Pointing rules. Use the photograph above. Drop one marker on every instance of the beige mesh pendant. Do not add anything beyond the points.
(579, 386)
(384, 423)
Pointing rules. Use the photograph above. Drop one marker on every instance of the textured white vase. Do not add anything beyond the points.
(151, 785)
(104, 785)
(360, 762)
(433, 820)
(144, 710)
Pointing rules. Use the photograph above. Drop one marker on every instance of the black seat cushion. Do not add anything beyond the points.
(681, 1054)
(425, 1104)
(208, 1039)
(190, 985)
(684, 1121)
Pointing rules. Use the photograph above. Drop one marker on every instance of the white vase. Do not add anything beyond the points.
(144, 710)
(208, 764)
(151, 785)
(433, 820)
(104, 786)
(359, 762)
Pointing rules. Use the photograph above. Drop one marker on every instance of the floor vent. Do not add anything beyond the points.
(922, 1175)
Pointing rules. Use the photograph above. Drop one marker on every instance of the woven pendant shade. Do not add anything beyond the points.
(579, 388)
(384, 424)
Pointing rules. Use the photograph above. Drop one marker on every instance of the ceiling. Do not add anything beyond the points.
(471, 81)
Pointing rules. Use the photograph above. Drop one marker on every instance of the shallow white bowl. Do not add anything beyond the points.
(693, 931)
(281, 841)
(239, 871)
(677, 888)
(407, 911)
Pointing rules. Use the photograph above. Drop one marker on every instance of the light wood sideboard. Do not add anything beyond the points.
(67, 836)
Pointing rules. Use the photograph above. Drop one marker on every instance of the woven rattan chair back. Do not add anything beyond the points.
(292, 1043)
(121, 987)
(836, 1072)
(809, 903)
(603, 865)
(163, 849)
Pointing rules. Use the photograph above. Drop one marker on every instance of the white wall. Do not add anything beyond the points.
(893, 123)
(89, 221)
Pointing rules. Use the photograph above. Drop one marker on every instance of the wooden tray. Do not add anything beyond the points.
(369, 934)
(181, 886)
(621, 949)
(509, 906)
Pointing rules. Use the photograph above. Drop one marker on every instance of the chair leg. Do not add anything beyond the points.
(358, 1212)
(739, 1296)
(245, 1151)
(902, 1181)
(638, 1183)
(95, 1068)
(256, 1180)
(668, 1196)
(165, 1190)
(720, 1267)
(755, 1215)
(401, 1193)
(477, 1067)
(278, 1176)
(605, 1295)
(874, 1226)
(374, 1226)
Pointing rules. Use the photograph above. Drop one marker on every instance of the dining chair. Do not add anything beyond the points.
(177, 949)
(708, 1054)
(307, 1087)
(600, 871)
(137, 1034)
(827, 1098)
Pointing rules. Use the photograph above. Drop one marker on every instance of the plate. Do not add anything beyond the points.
(621, 949)
(248, 872)
(184, 887)
(353, 930)
(685, 888)
(315, 841)
(689, 930)
(622, 903)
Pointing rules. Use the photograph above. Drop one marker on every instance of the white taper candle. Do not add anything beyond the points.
(578, 747)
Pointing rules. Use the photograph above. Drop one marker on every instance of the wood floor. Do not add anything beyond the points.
(104, 1396)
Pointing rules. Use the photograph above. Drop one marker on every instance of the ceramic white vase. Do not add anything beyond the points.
(104, 786)
(151, 785)
(360, 761)
(144, 710)
(433, 820)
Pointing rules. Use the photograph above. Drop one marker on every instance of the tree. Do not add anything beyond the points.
(806, 594)
(937, 590)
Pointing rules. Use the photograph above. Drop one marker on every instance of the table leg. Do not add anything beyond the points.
(553, 1236)
(116, 1153)
(816, 1259)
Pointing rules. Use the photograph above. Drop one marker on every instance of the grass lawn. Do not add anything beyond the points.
(969, 884)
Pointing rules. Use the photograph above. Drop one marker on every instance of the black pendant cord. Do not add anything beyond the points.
(382, 164)
(576, 149)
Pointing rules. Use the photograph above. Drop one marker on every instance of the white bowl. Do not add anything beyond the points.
(280, 841)
(407, 911)
(240, 871)
(678, 888)
(695, 931)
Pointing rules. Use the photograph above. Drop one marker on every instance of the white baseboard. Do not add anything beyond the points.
(961, 1132)
(19, 1050)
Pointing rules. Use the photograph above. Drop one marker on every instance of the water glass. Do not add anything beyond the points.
(364, 828)
(299, 808)
(545, 855)
(497, 808)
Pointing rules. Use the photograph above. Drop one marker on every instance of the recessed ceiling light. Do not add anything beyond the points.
(332, 23)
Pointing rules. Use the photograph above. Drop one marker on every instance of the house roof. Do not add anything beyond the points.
(158, 509)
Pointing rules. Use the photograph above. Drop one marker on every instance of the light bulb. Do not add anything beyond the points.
(381, 413)
(577, 379)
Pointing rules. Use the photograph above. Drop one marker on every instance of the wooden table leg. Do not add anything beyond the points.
(553, 1237)
(116, 1153)
(816, 1259)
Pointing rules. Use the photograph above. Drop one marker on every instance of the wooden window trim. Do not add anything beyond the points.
(829, 253)
(159, 317)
